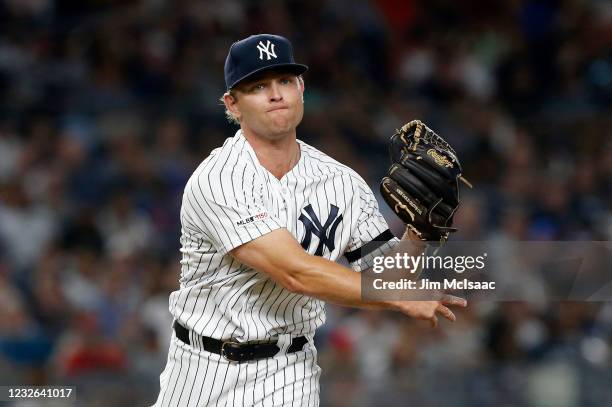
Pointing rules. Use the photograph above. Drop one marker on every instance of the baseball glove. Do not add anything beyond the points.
(422, 185)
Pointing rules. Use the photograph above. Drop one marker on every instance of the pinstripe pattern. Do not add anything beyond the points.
(229, 200)
(206, 379)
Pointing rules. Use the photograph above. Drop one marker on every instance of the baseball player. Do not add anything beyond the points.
(264, 219)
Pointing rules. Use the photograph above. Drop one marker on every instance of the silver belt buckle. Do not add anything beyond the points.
(230, 342)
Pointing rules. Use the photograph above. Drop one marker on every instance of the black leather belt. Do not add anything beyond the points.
(238, 351)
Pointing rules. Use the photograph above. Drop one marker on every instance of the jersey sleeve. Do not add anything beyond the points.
(229, 208)
(371, 236)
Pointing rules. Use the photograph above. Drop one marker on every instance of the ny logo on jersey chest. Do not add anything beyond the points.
(325, 232)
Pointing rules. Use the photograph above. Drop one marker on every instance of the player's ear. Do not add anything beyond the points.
(230, 101)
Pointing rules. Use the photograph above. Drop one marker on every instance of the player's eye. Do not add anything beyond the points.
(258, 86)
(286, 81)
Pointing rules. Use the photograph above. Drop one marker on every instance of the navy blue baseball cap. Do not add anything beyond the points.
(259, 53)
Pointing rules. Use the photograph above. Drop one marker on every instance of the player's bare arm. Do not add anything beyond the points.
(281, 257)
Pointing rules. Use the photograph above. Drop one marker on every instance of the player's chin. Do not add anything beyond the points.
(282, 125)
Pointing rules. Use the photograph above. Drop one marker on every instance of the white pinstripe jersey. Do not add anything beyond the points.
(231, 199)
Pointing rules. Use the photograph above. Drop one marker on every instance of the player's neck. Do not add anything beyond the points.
(277, 156)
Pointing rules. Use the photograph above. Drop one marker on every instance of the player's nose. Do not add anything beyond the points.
(275, 92)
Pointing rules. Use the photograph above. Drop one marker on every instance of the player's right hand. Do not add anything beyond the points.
(428, 310)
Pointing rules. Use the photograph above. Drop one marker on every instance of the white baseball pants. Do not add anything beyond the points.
(194, 377)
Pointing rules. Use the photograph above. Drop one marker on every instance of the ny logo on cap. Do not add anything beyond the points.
(326, 233)
(268, 49)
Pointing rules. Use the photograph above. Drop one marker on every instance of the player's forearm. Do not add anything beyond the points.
(329, 281)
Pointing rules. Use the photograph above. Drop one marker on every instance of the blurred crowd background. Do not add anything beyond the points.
(107, 107)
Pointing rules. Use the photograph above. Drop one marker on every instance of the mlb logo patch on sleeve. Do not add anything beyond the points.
(251, 219)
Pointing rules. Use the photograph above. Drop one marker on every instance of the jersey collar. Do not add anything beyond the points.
(246, 146)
